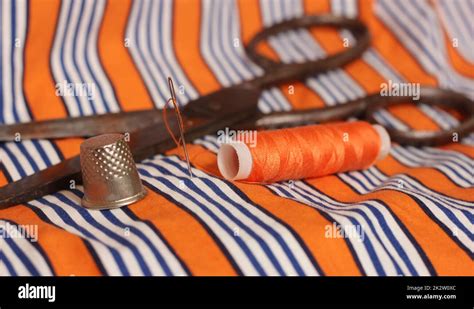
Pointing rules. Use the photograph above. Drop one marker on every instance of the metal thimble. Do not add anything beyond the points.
(109, 174)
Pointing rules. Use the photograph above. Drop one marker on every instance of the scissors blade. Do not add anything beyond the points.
(81, 126)
(202, 116)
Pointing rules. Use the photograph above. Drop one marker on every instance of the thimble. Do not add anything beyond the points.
(109, 174)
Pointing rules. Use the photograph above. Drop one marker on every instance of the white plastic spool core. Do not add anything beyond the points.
(384, 141)
(234, 159)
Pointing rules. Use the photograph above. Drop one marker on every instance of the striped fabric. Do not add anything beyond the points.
(414, 210)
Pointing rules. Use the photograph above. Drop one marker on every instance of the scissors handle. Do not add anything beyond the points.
(367, 107)
(277, 72)
(443, 98)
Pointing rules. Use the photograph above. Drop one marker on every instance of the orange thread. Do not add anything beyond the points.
(180, 124)
(165, 120)
(313, 151)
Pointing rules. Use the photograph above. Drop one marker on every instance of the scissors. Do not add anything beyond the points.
(233, 107)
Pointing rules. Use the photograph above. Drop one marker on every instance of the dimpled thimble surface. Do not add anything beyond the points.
(109, 173)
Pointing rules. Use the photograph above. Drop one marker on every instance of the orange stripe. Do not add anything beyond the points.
(457, 60)
(397, 56)
(300, 96)
(433, 240)
(429, 177)
(67, 252)
(414, 117)
(464, 149)
(69, 147)
(39, 86)
(189, 239)
(327, 37)
(129, 88)
(391, 49)
(403, 61)
(3, 179)
(315, 7)
(187, 35)
(335, 259)
(364, 74)
(62, 247)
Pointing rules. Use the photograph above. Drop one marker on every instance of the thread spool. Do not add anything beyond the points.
(303, 152)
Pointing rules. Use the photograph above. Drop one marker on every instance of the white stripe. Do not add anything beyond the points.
(80, 54)
(20, 104)
(227, 38)
(144, 25)
(20, 157)
(135, 48)
(101, 249)
(251, 242)
(169, 55)
(50, 151)
(11, 256)
(4, 272)
(9, 165)
(287, 237)
(129, 259)
(68, 54)
(169, 258)
(141, 247)
(228, 241)
(405, 244)
(59, 74)
(103, 243)
(7, 43)
(205, 45)
(440, 67)
(33, 152)
(463, 238)
(95, 64)
(455, 28)
(412, 160)
(31, 253)
(359, 248)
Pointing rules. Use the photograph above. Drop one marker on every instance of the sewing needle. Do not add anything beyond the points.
(181, 126)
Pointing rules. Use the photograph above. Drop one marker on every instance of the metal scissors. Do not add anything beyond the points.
(234, 107)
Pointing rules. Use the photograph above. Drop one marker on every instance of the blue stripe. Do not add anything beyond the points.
(102, 100)
(439, 204)
(6, 262)
(42, 152)
(28, 156)
(114, 220)
(62, 55)
(244, 211)
(15, 161)
(12, 51)
(87, 216)
(385, 228)
(74, 49)
(69, 221)
(160, 42)
(22, 256)
(403, 153)
(228, 230)
(341, 212)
